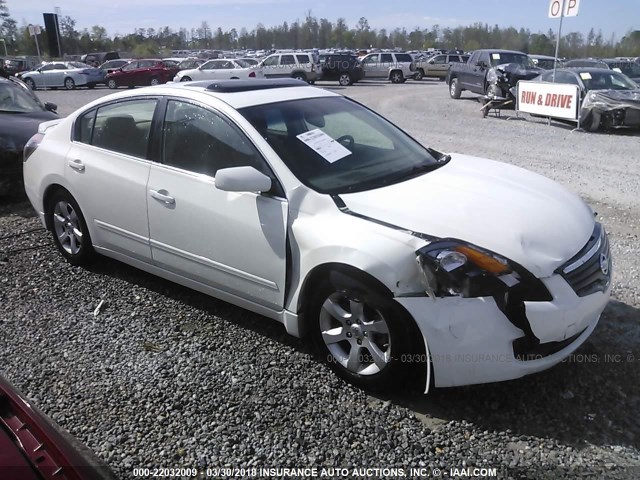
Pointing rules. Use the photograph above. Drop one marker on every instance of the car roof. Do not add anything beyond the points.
(236, 93)
(584, 69)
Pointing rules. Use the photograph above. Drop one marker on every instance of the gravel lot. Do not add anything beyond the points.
(166, 377)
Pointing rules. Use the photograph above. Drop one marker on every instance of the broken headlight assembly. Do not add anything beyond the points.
(455, 268)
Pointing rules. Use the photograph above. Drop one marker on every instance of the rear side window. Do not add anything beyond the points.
(84, 127)
(303, 59)
(404, 57)
(386, 58)
(124, 127)
(287, 60)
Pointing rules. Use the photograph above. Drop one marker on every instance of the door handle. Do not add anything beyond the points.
(162, 196)
(76, 165)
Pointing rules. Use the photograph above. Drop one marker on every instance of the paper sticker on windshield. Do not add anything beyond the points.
(324, 145)
(495, 56)
(585, 75)
(616, 69)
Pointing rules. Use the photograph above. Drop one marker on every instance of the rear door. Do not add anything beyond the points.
(108, 170)
(438, 66)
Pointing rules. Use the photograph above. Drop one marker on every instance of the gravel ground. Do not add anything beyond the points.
(166, 377)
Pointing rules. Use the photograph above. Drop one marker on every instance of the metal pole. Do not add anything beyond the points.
(5, 47)
(555, 58)
(37, 47)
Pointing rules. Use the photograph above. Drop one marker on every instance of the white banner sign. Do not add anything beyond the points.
(571, 8)
(34, 30)
(556, 100)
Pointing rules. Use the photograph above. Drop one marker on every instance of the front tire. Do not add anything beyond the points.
(154, 81)
(112, 84)
(364, 336)
(454, 88)
(419, 75)
(69, 84)
(345, 80)
(30, 83)
(69, 229)
(185, 79)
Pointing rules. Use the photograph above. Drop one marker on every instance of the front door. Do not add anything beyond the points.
(234, 242)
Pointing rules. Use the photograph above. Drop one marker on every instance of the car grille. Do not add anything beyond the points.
(589, 271)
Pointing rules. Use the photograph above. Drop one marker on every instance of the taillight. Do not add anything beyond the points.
(32, 144)
(252, 74)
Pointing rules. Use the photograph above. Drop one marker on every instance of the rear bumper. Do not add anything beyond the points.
(471, 341)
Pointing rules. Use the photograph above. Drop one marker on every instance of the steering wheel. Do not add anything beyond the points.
(346, 141)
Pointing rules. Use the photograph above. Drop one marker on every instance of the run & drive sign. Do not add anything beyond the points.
(556, 100)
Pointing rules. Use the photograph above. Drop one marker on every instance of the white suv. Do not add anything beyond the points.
(306, 207)
(397, 67)
(298, 65)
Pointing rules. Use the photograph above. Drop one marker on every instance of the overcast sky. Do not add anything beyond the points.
(123, 16)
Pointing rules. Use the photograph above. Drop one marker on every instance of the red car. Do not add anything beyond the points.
(138, 73)
(32, 447)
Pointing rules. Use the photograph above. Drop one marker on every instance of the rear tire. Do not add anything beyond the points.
(69, 229)
(91, 86)
(396, 76)
(154, 81)
(419, 75)
(69, 84)
(454, 89)
(299, 76)
(185, 79)
(30, 83)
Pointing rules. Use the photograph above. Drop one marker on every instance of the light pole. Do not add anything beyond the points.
(5, 47)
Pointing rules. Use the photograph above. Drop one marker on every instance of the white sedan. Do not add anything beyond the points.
(68, 75)
(306, 207)
(220, 69)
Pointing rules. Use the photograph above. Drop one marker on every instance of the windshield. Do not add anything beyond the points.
(14, 99)
(243, 63)
(335, 145)
(606, 80)
(630, 69)
(503, 58)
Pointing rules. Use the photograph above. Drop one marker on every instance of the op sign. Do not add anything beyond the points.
(570, 8)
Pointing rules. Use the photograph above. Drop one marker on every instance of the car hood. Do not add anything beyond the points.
(612, 99)
(17, 128)
(513, 212)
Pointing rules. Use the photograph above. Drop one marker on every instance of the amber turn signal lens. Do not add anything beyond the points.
(484, 261)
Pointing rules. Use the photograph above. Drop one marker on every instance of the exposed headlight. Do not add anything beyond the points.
(454, 268)
(492, 76)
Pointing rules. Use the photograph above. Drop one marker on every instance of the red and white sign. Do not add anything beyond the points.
(556, 100)
(571, 8)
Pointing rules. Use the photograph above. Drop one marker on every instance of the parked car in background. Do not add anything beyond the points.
(249, 61)
(344, 68)
(298, 65)
(222, 68)
(140, 73)
(437, 66)
(98, 58)
(113, 65)
(20, 114)
(545, 61)
(68, 75)
(306, 207)
(34, 447)
(14, 65)
(630, 69)
(394, 66)
(190, 63)
(473, 75)
(608, 99)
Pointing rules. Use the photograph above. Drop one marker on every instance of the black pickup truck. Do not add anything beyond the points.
(472, 75)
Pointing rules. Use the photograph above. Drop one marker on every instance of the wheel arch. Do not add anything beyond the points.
(49, 193)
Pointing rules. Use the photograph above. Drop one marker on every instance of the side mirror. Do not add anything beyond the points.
(51, 107)
(242, 179)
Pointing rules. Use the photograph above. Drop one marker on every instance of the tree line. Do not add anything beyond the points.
(314, 33)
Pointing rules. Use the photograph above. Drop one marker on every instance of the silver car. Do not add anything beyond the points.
(68, 75)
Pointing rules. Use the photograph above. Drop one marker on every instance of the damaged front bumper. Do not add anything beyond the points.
(486, 319)
(471, 341)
